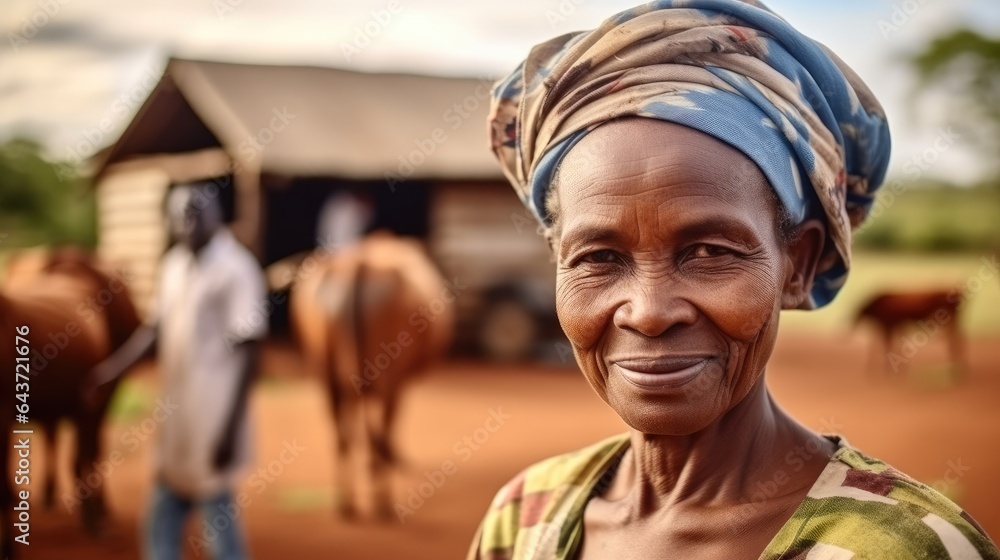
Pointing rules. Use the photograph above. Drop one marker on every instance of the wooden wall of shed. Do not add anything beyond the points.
(132, 232)
(482, 235)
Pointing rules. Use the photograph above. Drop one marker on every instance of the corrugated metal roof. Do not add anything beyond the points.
(309, 121)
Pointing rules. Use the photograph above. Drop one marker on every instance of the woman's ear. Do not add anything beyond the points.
(802, 256)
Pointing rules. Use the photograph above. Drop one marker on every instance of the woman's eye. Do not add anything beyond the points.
(704, 251)
(603, 256)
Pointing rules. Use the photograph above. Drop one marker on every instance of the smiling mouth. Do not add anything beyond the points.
(661, 373)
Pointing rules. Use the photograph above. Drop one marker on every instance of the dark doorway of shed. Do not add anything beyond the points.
(293, 208)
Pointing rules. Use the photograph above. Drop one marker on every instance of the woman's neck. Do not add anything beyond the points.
(727, 463)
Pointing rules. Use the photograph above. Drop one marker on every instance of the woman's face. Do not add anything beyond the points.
(671, 271)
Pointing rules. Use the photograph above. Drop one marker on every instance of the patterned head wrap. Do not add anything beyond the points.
(732, 69)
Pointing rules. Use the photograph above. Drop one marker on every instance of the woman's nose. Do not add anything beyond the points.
(652, 307)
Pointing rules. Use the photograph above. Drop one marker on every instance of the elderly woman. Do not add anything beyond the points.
(698, 166)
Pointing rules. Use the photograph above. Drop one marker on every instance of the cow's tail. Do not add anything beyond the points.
(348, 323)
(357, 326)
(329, 325)
(343, 352)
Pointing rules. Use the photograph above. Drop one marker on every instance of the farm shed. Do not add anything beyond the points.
(279, 140)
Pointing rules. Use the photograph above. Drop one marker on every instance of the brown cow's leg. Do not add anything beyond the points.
(6, 496)
(887, 351)
(387, 448)
(87, 450)
(380, 456)
(333, 360)
(957, 345)
(51, 464)
(343, 412)
(874, 360)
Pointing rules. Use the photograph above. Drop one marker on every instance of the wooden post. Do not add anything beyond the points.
(249, 223)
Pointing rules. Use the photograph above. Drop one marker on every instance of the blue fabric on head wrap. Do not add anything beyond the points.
(729, 68)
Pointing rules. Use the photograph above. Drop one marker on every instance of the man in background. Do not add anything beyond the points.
(344, 219)
(204, 326)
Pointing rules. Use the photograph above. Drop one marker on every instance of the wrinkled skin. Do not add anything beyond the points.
(672, 272)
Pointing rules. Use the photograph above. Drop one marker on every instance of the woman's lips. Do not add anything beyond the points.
(663, 372)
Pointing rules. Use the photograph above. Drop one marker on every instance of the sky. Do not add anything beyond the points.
(73, 72)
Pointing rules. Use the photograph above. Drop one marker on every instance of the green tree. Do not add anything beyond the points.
(966, 66)
(39, 202)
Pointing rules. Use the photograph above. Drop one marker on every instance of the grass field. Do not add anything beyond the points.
(873, 273)
(939, 220)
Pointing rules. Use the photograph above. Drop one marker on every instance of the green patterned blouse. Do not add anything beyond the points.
(859, 508)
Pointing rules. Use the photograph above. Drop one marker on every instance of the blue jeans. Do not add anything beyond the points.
(218, 530)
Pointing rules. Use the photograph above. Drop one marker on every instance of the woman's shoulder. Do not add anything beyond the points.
(577, 468)
(863, 505)
(530, 509)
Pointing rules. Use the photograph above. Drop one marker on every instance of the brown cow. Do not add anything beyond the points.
(24, 265)
(933, 311)
(369, 318)
(76, 314)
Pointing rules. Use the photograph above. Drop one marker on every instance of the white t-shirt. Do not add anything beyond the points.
(204, 308)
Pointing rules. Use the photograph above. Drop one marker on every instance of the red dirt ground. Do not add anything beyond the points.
(920, 427)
